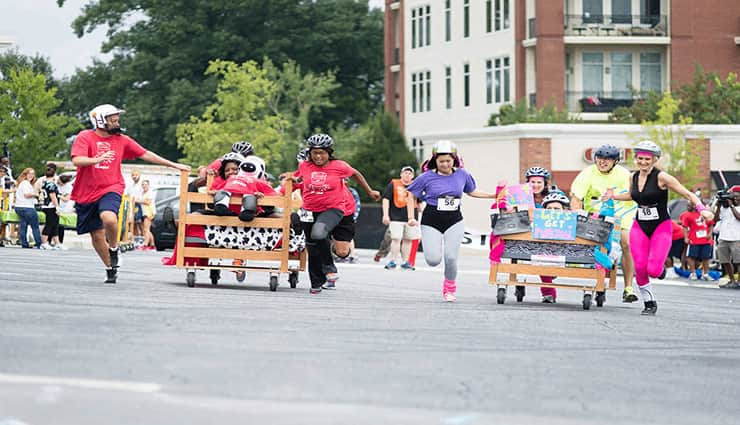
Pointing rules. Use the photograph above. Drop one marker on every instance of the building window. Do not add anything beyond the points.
(507, 96)
(650, 72)
(489, 81)
(421, 91)
(621, 11)
(429, 91)
(429, 26)
(621, 72)
(466, 18)
(488, 16)
(413, 92)
(448, 87)
(498, 80)
(413, 28)
(448, 21)
(593, 11)
(506, 14)
(466, 83)
(421, 27)
(417, 146)
(593, 74)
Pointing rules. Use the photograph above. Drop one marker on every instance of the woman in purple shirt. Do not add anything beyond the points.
(441, 187)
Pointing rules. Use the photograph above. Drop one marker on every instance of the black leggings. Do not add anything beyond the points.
(320, 260)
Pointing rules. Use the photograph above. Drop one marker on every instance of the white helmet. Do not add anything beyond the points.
(444, 146)
(253, 166)
(650, 147)
(100, 114)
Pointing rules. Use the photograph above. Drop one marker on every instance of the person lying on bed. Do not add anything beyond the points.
(250, 183)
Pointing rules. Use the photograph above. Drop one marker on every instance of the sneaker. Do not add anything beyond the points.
(391, 265)
(628, 296)
(548, 299)
(705, 277)
(114, 260)
(111, 274)
(693, 277)
(46, 246)
(449, 297)
(651, 307)
(353, 260)
(314, 291)
(407, 266)
(730, 285)
(331, 280)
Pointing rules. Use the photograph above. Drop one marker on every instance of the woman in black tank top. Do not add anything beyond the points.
(650, 240)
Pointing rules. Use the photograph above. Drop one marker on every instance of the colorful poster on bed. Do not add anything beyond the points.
(554, 225)
(519, 196)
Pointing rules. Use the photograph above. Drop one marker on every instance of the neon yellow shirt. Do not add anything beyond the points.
(591, 183)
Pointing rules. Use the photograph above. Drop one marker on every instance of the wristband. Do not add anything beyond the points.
(700, 208)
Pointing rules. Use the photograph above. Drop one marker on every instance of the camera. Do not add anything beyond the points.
(724, 198)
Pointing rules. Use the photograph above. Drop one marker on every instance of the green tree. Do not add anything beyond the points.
(157, 73)
(680, 157)
(241, 112)
(521, 113)
(28, 121)
(297, 96)
(383, 151)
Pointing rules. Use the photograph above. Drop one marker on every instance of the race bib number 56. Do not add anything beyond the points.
(448, 203)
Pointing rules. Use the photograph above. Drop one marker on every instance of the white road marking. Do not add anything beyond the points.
(134, 387)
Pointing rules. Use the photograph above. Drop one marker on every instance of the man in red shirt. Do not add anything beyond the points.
(98, 154)
(698, 236)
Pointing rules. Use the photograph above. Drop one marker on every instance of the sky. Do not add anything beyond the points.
(41, 27)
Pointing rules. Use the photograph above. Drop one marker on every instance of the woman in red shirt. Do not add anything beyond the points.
(324, 206)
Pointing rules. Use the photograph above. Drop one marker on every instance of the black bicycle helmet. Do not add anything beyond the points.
(607, 152)
(302, 155)
(320, 141)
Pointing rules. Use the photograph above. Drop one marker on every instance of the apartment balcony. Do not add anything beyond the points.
(600, 101)
(590, 25)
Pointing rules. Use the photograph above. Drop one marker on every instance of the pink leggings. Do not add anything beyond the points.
(650, 253)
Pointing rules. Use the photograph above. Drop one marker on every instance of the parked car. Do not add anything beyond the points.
(164, 225)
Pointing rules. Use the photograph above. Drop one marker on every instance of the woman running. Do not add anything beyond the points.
(442, 228)
(324, 207)
(650, 240)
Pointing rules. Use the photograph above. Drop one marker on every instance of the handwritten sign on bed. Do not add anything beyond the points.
(554, 224)
(520, 196)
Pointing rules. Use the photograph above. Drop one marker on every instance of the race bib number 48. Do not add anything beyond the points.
(647, 213)
(448, 203)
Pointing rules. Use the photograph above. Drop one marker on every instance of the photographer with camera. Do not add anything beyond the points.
(727, 210)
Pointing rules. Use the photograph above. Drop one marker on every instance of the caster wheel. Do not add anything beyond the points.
(273, 283)
(240, 276)
(520, 292)
(293, 279)
(501, 295)
(190, 279)
(586, 301)
(600, 299)
(215, 276)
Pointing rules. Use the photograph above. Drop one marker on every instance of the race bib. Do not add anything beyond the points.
(647, 213)
(448, 203)
(701, 233)
(305, 216)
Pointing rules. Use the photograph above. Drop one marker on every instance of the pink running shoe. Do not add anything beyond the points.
(448, 290)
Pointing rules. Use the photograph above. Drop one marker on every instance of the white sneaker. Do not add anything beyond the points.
(46, 246)
(449, 297)
(692, 276)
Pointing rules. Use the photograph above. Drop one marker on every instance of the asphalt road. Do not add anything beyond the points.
(383, 348)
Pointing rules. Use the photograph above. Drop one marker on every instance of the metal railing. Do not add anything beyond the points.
(600, 101)
(532, 28)
(592, 25)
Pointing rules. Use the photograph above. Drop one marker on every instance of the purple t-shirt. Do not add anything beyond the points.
(430, 186)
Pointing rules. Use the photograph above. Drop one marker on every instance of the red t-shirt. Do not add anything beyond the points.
(699, 229)
(349, 202)
(676, 231)
(94, 181)
(322, 188)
